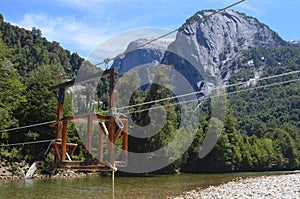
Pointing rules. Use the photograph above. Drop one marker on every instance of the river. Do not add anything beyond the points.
(152, 186)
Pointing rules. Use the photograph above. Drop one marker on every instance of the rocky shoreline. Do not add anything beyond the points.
(264, 187)
(13, 170)
(17, 171)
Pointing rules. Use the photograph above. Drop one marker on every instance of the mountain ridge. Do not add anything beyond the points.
(261, 130)
(209, 47)
(30, 43)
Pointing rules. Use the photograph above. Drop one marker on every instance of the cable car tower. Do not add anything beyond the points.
(108, 129)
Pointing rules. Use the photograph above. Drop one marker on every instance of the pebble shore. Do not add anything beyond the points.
(17, 171)
(13, 170)
(265, 187)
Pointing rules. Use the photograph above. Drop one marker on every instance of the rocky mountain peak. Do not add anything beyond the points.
(204, 50)
(295, 42)
(161, 44)
(217, 40)
(230, 26)
(151, 53)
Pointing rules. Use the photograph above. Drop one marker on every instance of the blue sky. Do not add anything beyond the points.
(81, 25)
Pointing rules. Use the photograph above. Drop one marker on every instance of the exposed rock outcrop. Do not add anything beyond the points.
(204, 51)
(295, 42)
(13, 170)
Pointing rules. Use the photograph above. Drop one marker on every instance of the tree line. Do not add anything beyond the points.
(260, 131)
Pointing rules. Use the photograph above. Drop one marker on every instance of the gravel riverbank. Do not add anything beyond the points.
(265, 187)
(17, 171)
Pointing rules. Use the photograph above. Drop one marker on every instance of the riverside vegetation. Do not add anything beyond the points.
(261, 129)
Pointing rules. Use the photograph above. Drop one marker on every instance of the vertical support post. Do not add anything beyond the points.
(112, 105)
(125, 141)
(100, 144)
(64, 140)
(111, 138)
(89, 138)
(59, 114)
(59, 126)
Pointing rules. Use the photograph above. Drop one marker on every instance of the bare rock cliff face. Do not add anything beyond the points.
(152, 53)
(212, 45)
(205, 50)
(295, 42)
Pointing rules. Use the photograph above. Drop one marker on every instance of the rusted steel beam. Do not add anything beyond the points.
(111, 138)
(112, 105)
(79, 165)
(61, 146)
(62, 85)
(57, 152)
(82, 116)
(64, 141)
(89, 137)
(73, 148)
(100, 144)
(125, 140)
(60, 112)
(76, 117)
(83, 79)
(118, 134)
(120, 130)
(101, 117)
(58, 130)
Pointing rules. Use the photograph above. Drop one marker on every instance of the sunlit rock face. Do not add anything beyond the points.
(203, 50)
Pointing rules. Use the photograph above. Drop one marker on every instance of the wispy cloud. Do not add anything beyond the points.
(253, 8)
(250, 8)
(91, 22)
(85, 24)
(66, 30)
(94, 6)
(118, 43)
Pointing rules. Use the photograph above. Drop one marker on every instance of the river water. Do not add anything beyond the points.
(153, 186)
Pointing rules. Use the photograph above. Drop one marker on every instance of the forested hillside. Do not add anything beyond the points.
(262, 125)
(30, 50)
(29, 65)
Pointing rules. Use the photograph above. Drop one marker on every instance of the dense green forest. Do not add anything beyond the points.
(261, 130)
(29, 65)
(262, 126)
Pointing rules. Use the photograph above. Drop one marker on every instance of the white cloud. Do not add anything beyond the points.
(94, 6)
(250, 8)
(89, 23)
(66, 30)
(92, 23)
(85, 24)
(118, 43)
(85, 37)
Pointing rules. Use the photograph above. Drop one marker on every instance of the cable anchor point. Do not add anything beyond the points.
(106, 61)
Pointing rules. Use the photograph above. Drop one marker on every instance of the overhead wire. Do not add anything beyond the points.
(207, 90)
(171, 104)
(179, 96)
(164, 99)
(264, 86)
(211, 96)
(265, 78)
(25, 127)
(26, 143)
(107, 60)
(160, 100)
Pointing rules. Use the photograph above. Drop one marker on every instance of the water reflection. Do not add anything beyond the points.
(125, 187)
(29, 182)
